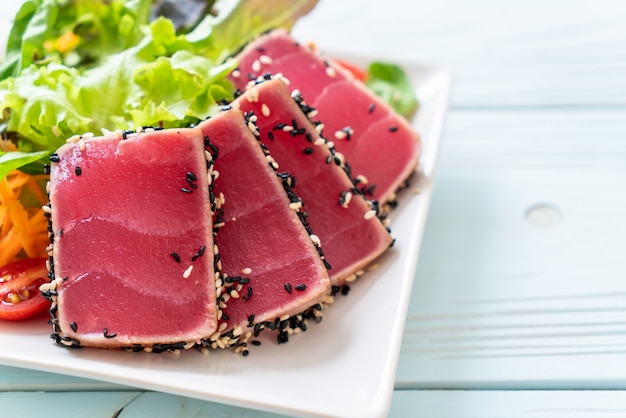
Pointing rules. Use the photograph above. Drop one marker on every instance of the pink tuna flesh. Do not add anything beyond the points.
(350, 235)
(128, 217)
(381, 145)
(262, 239)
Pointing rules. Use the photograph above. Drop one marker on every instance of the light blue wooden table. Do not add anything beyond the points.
(519, 302)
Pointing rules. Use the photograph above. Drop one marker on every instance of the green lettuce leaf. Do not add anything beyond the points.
(140, 86)
(13, 160)
(114, 70)
(238, 22)
(390, 82)
(75, 32)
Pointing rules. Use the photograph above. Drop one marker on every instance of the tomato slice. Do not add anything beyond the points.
(357, 72)
(20, 297)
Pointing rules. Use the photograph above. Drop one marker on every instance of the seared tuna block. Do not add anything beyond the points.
(132, 241)
(271, 264)
(344, 221)
(379, 144)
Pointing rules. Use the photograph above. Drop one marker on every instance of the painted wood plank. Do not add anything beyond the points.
(19, 379)
(531, 53)
(509, 404)
(406, 403)
(64, 404)
(158, 405)
(520, 282)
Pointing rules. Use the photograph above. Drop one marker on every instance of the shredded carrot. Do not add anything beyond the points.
(23, 227)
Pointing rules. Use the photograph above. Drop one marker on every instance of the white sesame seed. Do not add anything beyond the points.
(187, 272)
(47, 286)
(246, 270)
(315, 239)
(351, 278)
(222, 327)
(373, 267)
(265, 110)
(319, 128)
(370, 214)
(236, 73)
(264, 59)
(256, 66)
(295, 206)
(330, 71)
(340, 134)
(81, 144)
(253, 95)
(346, 200)
(319, 141)
(252, 128)
(284, 317)
(287, 128)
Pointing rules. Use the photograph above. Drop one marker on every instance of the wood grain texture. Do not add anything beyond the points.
(509, 404)
(533, 53)
(520, 282)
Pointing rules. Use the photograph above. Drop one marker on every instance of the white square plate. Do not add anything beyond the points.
(344, 366)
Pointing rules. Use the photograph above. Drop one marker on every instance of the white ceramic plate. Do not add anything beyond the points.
(344, 366)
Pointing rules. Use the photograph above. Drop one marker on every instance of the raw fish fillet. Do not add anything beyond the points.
(379, 143)
(132, 241)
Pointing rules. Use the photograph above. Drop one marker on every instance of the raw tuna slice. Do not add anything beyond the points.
(346, 223)
(270, 265)
(378, 143)
(130, 223)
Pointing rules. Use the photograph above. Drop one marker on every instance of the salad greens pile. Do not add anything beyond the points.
(76, 66)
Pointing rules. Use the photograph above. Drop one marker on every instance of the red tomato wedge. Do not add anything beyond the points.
(357, 72)
(19, 289)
